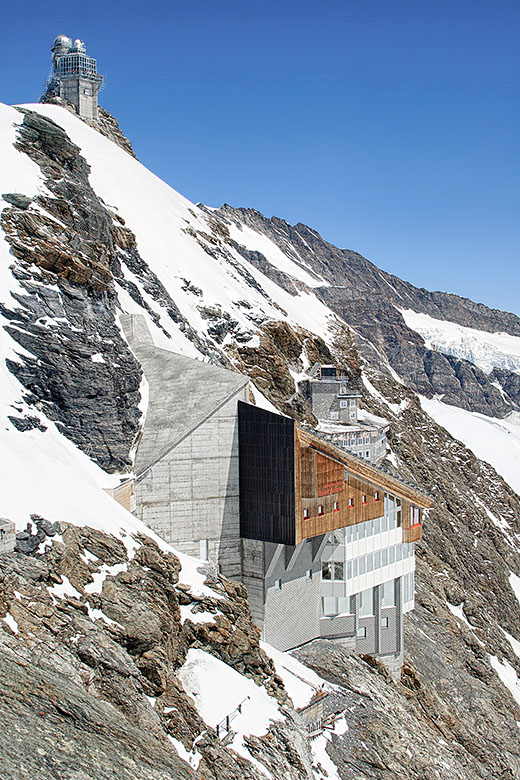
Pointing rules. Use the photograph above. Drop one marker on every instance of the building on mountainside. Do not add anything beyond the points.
(336, 407)
(323, 540)
(74, 77)
(7, 535)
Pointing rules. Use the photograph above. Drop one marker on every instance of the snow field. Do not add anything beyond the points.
(485, 350)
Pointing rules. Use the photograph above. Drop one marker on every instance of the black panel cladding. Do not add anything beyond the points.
(267, 498)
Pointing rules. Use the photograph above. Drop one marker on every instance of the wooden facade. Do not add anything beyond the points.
(296, 486)
(335, 490)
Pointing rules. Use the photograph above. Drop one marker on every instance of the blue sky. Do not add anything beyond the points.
(392, 128)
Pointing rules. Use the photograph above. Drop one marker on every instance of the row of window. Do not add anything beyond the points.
(364, 530)
(335, 415)
(343, 403)
(379, 559)
(335, 508)
(335, 570)
(345, 605)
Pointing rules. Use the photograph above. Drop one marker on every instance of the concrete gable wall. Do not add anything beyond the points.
(191, 495)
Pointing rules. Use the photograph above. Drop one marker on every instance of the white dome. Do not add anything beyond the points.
(79, 45)
(62, 40)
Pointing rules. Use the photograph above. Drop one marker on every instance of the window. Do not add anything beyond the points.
(415, 515)
(352, 401)
(342, 404)
(278, 584)
(305, 514)
(338, 570)
(377, 559)
(377, 525)
(361, 632)
(363, 499)
(361, 566)
(352, 415)
(329, 606)
(384, 557)
(367, 453)
(336, 506)
(320, 510)
(377, 496)
(308, 574)
(366, 602)
(326, 571)
(384, 622)
(388, 594)
(343, 390)
(367, 439)
(351, 502)
(391, 555)
(334, 415)
(344, 605)
(370, 562)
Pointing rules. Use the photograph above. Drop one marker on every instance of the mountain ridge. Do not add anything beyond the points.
(255, 310)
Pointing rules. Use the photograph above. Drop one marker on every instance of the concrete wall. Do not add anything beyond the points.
(83, 94)
(190, 497)
(7, 535)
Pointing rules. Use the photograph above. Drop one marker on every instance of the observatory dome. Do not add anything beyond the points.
(79, 45)
(63, 40)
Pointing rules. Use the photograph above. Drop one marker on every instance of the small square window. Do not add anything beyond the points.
(361, 632)
(320, 510)
(363, 499)
(376, 496)
(278, 584)
(334, 415)
(308, 574)
(384, 622)
(351, 502)
(305, 514)
(336, 506)
(367, 453)
(342, 404)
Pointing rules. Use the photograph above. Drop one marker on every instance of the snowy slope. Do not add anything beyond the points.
(163, 222)
(485, 350)
(495, 441)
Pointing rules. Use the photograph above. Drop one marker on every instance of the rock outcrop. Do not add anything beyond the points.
(91, 642)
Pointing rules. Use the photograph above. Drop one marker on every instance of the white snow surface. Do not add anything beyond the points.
(493, 440)
(300, 681)
(508, 676)
(485, 350)
(217, 689)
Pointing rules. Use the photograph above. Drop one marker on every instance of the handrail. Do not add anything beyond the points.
(224, 725)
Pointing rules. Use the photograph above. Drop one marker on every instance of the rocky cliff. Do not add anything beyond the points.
(82, 651)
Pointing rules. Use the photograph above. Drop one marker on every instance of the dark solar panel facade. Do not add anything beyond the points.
(266, 456)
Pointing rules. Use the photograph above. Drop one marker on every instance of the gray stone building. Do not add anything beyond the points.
(221, 480)
(336, 407)
(74, 76)
(186, 463)
(7, 535)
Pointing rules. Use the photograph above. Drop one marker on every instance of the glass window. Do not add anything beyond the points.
(278, 584)
(342, 404)
(308, 574)
(361, 632)
(391, 554)
(362, 530)
(329, 606)
(366, 602)
(384, 557)
(344, 605)
(361, 566)
(338, 570)
(326, 571)
(349, 531)
(377, 525)
(352, 401)
(377, 559)
(384, 622)
(336, 506)
(388, 594)
(384, 523)
(370, 561)
(398, 552)
(355, 568)
(349, 570)
(367, 453)
(351, 502)
(320, 510)
(363, 499)
(305, 514)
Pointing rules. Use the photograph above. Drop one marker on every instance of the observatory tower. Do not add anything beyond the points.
(74, 76)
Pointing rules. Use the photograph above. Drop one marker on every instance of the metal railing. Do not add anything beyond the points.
(224, 727)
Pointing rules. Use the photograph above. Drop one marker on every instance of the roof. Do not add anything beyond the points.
(183, 393)
(367, 471)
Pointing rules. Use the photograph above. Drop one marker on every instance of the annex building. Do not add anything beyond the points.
(322, 539)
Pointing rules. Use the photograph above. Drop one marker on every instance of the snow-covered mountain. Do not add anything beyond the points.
(87, 234)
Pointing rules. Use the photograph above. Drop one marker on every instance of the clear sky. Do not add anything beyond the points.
(392, 128)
